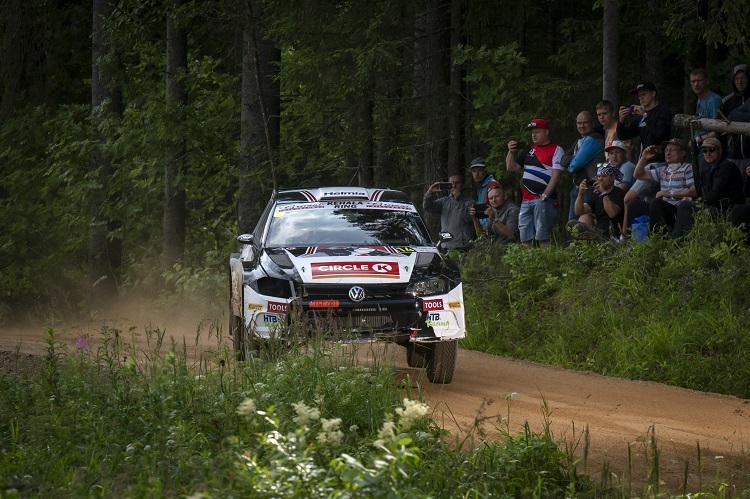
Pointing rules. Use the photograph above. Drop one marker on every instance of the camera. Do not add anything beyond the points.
(446, 186)
(657, 150)
(479, 210)
(590, 182)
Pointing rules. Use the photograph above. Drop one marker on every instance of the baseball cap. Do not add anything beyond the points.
(538, 123)
(711, 142)
(675, 142)
(477, 162)
(644, 85)
(616, 143)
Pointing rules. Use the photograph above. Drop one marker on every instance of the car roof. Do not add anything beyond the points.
(315, 194)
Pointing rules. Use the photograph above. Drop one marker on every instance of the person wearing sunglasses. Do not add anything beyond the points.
(718, 183)
(676, 184)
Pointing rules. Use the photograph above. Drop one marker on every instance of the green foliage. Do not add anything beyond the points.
(503, 102)
(670, 311)
(106, 418)
(43, 202)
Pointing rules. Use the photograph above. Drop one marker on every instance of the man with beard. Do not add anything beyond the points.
(502, 215)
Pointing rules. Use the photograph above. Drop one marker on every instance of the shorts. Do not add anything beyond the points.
(645, 189)
(535, 220)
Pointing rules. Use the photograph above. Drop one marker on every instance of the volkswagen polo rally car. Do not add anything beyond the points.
(351, 264)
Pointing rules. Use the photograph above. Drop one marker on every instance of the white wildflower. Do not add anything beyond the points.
(412, 411)
(510, 396)
(353, 428)
(305, 414)
(331, 432)
(247, 408)
(387, 433)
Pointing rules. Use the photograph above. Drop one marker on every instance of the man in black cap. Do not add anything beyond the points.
(649, 120)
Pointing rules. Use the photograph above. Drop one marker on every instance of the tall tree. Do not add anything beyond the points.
(105, 246)
(455, 110)
(433, 98)
(260, 115)
(610, 45)
(173, 228)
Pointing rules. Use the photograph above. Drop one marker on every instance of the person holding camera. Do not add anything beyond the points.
(541, 174)
(584, 156)
(649, 120)
(501, 216)
(601, 216)
(675, 179)
(453, 210)
(483, 182)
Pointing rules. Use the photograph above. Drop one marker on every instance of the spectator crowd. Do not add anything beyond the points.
(627, 170)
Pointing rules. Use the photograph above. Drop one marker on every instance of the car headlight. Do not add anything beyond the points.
(427, 287)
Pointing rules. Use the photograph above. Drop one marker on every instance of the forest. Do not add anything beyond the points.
(139, 137)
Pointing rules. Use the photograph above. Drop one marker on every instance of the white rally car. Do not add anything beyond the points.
(348, 264)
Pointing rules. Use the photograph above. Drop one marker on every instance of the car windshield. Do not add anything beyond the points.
(362, 227)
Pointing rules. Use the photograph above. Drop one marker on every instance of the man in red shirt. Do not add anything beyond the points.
(541, 174)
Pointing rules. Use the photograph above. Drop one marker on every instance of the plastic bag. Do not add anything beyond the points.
(639, 228)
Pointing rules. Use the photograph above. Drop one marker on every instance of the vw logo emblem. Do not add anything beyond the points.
(356, 293)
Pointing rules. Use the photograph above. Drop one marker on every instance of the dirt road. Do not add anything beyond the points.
(489, 394)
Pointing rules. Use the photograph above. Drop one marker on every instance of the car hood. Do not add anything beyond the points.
(351, 265)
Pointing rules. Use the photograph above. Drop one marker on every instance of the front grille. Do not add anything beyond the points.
(364, 318)
(339, 291)
(386, 309)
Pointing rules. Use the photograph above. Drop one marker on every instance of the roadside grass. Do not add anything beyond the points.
(100, 418)
(675, 312)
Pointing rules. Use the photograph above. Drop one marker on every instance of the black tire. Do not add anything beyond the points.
(416, 355)
(239, 338)
(441, 362)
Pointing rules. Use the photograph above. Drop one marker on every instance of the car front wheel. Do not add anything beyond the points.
(441, 361)
(416, 355)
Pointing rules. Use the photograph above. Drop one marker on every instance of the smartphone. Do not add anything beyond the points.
(590, 182)
(631, 109)
(479, 210)
(520, 145)
(446, 186)
(657, 150)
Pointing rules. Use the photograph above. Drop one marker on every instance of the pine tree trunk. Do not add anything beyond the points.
(104, 251)
(173, 228)
(260, 118)
(364, 139)
(610, 60)
(455, 117)
(437, 22)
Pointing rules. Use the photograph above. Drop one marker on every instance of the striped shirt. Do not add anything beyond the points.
(672, 180)
(538, 163)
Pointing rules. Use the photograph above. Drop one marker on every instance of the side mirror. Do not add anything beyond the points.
(245, 239)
